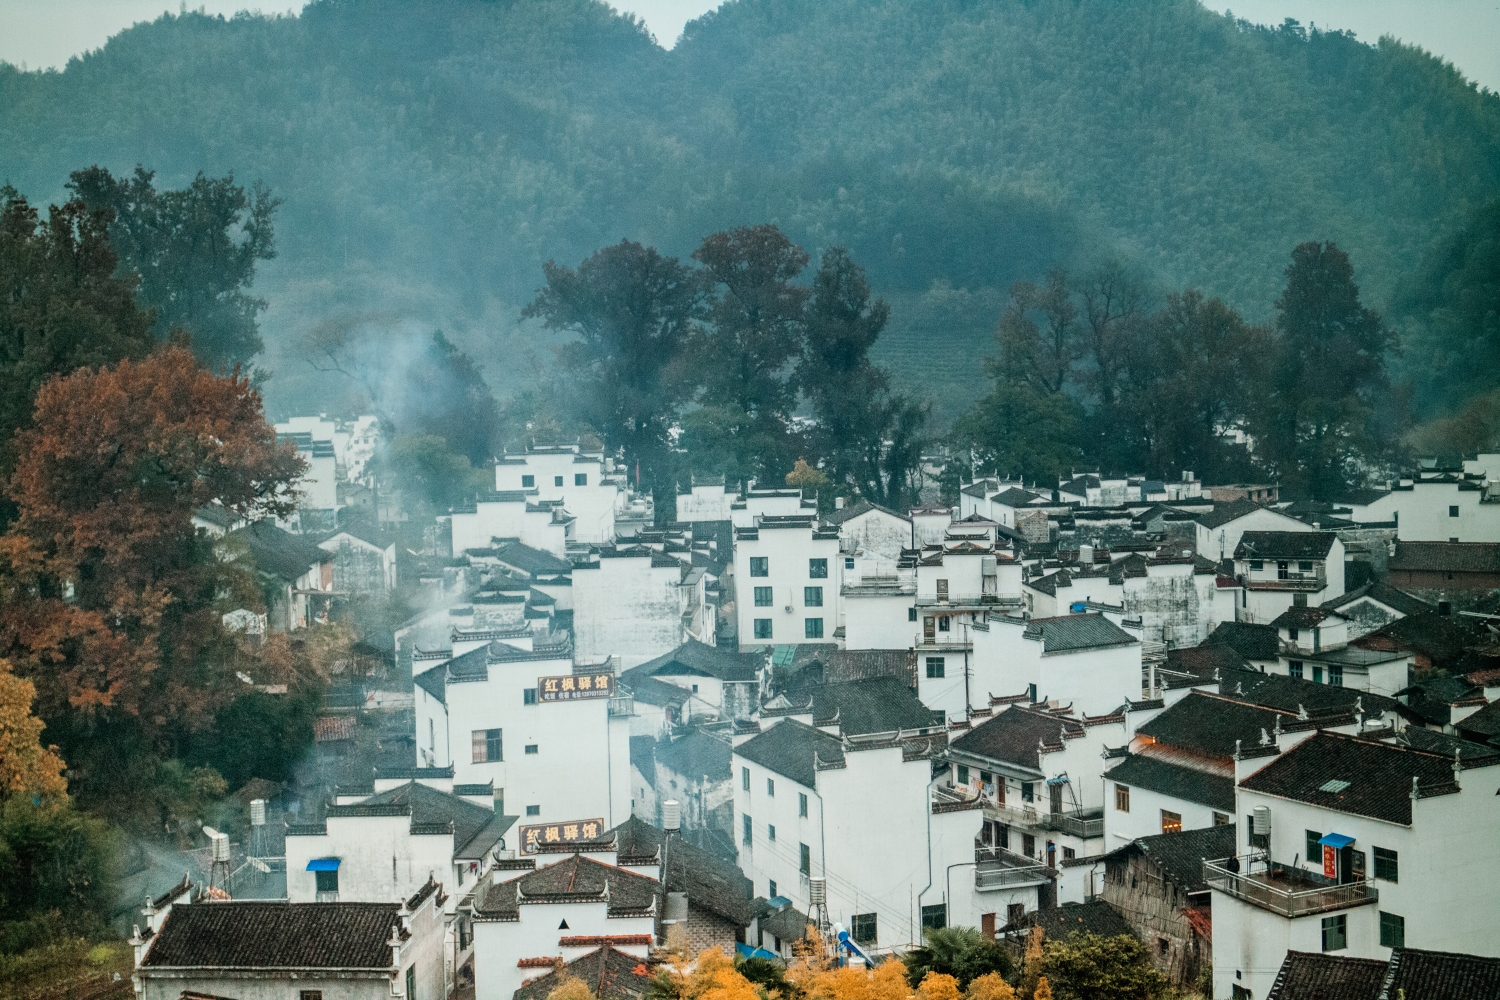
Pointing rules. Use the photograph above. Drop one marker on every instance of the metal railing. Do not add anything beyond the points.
(997, 868)
(1291, 892)
(942, 640)
(1079, 823)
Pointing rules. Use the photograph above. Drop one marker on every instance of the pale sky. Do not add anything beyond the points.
(45, 33)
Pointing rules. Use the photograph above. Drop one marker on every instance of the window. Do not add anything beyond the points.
(527, 482)
(431, 736)
(1171, 822)
(1028, 845)
(935, 917)
(1220, 819)
(1335, 675)
(1122, 798)
(1336, 932)
(745, 778)
(1314, 853)
(1385, 865)
(1304, 566)
(1299, 600)
(848, 563)
(1317, 673)
(963, 774)
(759, 566)
(762, 628)
(942, 590)
(1452, 511)
(531, 748)
(748, 826)
(812, 628)
(771, 888)
(771, 832)
(812, 597)
(1392, 930)
(804, 859)
(557, 480)
(580, 479)
(1015, 913)
(486, 746)
(533, 810)
(1069, 854)
(411, 982)
(771, 787)
(1256, 565)
(911, 613)
(1294, 669)
(763, 597)
(310, 995)
(817, 569)
(1283, 569)
(1293, 634)
(945, 624)
(327, 881)
(1028, 792)
(935, 666)
(528, 696)
(801, 803)
(862, 927)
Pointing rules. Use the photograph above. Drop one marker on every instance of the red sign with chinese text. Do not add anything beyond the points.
(1330, 862)
(574, 686)
(570, 831)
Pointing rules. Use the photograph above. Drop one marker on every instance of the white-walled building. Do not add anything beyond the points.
(551, 735)
(787, 572)
(1218, 531)
(1083, 661)
(857, 813)
(360, 566)
(638, 603)
(385, 847)
(1282, 569)
(584, 484)
(872, 533)
(1454, 505)
(273, 950)
(711, 500)
(1362, 847)
(720, 683)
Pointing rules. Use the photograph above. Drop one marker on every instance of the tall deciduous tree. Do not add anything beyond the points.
(195, 250)
(1318, 425)
(632, 310)
(110, 602)
(26, 766)
(1038, 334)
(62, 305)
(870, 436)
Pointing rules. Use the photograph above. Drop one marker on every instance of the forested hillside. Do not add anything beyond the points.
(432, 157)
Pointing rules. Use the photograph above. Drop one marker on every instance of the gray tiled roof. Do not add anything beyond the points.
(1285, 545)
(275, 936)
(1397, 600)
(608, 973)
(1378, 776)
(533, 562)
(1093, 917)
(1211, 724)
(430, 807)
(787, 748)
(1069, 632)
(1450, 557)
(711, 883)
(1223, 513)
(572, 878)
(1013, 735)
(1316, 976)
(1293, 694)
(694, 657)
(1253, 642)
(1180, 855)
(280, 553)
(1415, 974)
(876, 705)
(1175, 780)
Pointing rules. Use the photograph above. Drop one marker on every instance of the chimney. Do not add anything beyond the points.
(838, 503)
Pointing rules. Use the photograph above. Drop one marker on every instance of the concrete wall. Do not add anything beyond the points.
(787, 551)
(877, 534)
(381, 860)
(1144, 817)
(706, 503)
(498, 945)
(879, 621)
(627, 608)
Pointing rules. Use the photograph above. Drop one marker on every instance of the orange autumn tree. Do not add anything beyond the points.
(110, 601)
(26, 766)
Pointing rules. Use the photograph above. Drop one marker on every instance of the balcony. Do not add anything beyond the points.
(997, 868)
(943, 642)
(1290, 892)
(1083, 823)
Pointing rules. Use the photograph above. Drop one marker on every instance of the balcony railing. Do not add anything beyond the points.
(1083, 823)
(997, 868)
(1291, 892)
(942, 640)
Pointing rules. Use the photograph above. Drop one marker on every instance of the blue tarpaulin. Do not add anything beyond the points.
(745, 951)
(323, 865)
(1336, 840)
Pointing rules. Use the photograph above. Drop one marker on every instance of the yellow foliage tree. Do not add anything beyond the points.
(1031, 965)
(886, 982)
(990, 986)
(715, 978)
(571, 988)
(1043, 991)
(26, 767)
(939, 986)
(804, 476)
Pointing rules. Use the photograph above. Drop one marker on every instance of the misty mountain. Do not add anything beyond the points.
(431, 157)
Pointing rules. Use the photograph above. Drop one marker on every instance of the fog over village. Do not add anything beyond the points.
(859, 500)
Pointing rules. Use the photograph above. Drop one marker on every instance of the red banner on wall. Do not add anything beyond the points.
(1330, 862)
